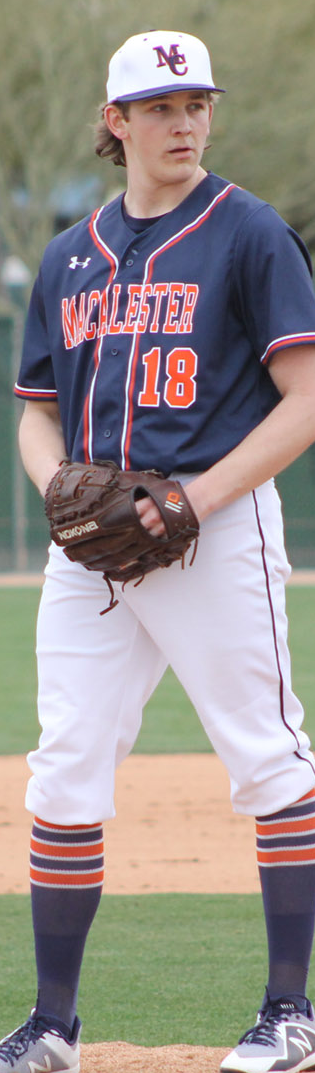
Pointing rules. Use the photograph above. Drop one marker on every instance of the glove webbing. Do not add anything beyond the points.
(113, 602)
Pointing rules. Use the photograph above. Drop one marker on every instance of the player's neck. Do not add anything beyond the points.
(157, 199)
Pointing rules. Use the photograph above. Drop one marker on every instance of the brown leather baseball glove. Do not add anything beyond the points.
(92, 516)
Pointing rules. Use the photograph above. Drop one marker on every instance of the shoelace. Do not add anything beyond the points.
(265, 1031)
(16, 1044)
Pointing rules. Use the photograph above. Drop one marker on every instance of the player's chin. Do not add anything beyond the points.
(182, 165)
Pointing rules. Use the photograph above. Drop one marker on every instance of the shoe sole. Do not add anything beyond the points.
(256, 1068)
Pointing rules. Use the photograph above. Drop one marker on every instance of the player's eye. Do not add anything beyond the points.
(162, 107)
(197, 106)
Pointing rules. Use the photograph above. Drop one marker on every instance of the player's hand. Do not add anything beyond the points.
(150, 516)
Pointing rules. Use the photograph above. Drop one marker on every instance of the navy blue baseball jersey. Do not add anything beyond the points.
(156, 342)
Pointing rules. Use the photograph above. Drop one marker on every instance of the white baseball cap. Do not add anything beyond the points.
(157, 62)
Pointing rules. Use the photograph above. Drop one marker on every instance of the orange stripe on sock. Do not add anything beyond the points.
(57, 849)
(68, 827)
(297, 826)
(283, 856)
(66, 879)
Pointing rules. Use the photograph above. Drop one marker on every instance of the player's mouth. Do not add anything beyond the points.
(181, 150)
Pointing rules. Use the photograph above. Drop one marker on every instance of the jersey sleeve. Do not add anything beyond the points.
(273, 284)
(36, 375)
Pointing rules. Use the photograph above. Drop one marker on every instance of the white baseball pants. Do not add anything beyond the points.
(222, 626)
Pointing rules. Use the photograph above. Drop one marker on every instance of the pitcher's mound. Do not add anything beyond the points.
(127, 1058)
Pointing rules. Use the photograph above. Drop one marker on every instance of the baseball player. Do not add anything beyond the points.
(173, 329)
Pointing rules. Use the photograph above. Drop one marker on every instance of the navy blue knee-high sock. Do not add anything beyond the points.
(286, 859)
(67, 872)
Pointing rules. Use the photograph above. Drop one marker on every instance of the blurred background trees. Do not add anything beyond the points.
(53, 61)
(53, 58)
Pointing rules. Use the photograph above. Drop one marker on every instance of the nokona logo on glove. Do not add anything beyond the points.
(77, 531)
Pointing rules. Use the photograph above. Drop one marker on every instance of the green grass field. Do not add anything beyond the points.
(170, 724)
(158, 969)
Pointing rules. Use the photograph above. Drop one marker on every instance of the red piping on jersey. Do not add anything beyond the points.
(35, 393)
(86, 407)
(97, 352)
(287, 341)
(101, 246)
(166, 246)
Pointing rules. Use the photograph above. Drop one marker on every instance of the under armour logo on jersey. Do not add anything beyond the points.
(173, 59)
(75, 263)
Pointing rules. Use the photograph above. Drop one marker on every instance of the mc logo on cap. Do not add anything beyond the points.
(159, 62)
(174, 59)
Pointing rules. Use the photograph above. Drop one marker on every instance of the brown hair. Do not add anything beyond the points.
(107, 145)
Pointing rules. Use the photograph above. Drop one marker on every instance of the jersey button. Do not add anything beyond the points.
(107, 433)
(114, 351)
(129, 262)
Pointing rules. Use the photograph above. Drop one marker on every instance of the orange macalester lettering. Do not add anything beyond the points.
(171, 319)
(134, 296)
(70, 322)
(189, 303)
(144, 308)
(115, 327)
(90, 326)
(159, 291)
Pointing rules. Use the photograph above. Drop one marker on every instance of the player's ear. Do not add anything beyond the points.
(116, 121)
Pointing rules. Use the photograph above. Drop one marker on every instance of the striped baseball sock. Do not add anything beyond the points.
(286, 860)
(66, 872)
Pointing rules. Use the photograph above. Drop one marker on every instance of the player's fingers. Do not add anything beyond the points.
(150, 516)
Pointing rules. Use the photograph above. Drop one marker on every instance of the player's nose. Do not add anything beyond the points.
(181, 121)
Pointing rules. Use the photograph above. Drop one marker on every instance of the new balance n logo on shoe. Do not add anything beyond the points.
(282, 1041)
(37, 1048)
(303, 1041)
(35, 1068)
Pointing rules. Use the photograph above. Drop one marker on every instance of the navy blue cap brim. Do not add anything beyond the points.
(146, 94)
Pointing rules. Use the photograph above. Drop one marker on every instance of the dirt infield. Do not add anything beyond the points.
(174, 831)
(125, 1058)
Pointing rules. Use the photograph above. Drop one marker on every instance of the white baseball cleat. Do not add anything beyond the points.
(281, 1041)
(35, 1046)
